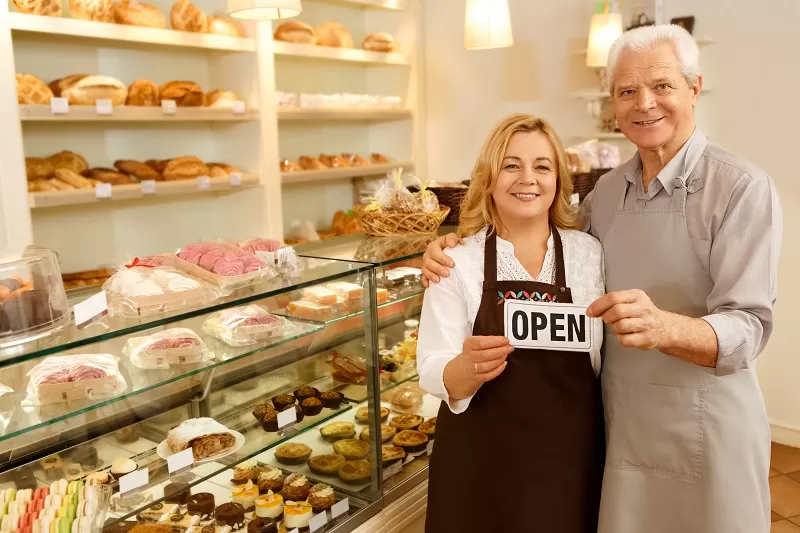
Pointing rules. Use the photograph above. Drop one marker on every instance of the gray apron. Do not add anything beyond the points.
(688, 451)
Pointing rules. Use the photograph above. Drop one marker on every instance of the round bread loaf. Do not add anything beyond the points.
(225, 26)
(295, 32)
(38, 168)
(99, 10)
(69, 160)
(135, 13)
(221, 99)
(138, 170)
(58, 86)
(185, 93)
(32, 90)
(378, 42)
(143, 93)
(334, 34)
(92, 88)
(185, 16)
(48, 8)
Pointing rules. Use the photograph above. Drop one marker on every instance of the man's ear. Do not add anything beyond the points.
(698, 87)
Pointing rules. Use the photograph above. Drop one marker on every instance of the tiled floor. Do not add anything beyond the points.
(784, 484)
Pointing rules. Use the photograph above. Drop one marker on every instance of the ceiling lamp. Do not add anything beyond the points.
(264, 9)
(487, 24)
(605, 29)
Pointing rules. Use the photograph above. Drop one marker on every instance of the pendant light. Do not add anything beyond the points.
(264, 9)
(605, 29)
(487, 24)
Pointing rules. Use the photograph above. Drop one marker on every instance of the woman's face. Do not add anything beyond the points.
(528, 177)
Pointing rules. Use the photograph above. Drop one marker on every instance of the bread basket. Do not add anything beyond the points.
(391, 224)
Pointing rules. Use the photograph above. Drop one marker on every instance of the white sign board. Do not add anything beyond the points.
(547, 326)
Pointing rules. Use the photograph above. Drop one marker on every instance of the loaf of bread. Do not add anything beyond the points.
(185, 16)
(76, 180)
(221, 99)
(140, 171)
(354, 160)
(289, 166)
(378, 42)
(333, 161)
(61, 185)
(69, 160)
(187, 167)
(295, 32)
(225, 26)
(379, 159)
(99, 10)
(334, 34)
(88, 90)
(134, 13)
(221, 170)
(185, 93)
(309, 163)
(107, 175)
(143, 93)
(32, 90)
(58, 86)
(48, 8)
(157, 164)
(41, 186)
(38, 168)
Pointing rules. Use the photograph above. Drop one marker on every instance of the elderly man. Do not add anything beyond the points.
(691, 236)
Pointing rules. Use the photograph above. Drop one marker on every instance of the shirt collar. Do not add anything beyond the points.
(507, 247)
(677, 169)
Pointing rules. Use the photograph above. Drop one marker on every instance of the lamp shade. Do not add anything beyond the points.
(487, 24)
(264, 9)
(606, 28)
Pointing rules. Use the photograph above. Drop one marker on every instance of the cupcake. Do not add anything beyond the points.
(262, 525)
(311, 406)
(295, 488)
(331, 399)
(262, 411)
(269, 422)
(296, 515)
(121, 467)
(321, 497)
(270, 479)
(327, 464)
(177, 493)
(269, 505)
(282, 401)
(245, 471)
(201, 504)
(231, 515)
(245, 495)
(127, 434)
(305, 392)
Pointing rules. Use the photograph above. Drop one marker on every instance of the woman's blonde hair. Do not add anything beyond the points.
(478, 209)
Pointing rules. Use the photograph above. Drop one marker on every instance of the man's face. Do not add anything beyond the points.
(653, 102)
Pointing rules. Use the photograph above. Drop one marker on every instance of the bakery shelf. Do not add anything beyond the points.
(370, 115)
(37, 200)
(84, 113)
(356, 55)
(310, 176)
(87, 29)
(701, 41)
(389, 5)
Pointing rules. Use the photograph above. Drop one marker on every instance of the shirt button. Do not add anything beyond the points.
(642, 204)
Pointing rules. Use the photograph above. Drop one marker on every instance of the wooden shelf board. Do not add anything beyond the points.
(309, 176)
(134, 191)
(310, 51)
(88, 29)
(391, 5)
(701, 41)
(43, 113)
(372, 115)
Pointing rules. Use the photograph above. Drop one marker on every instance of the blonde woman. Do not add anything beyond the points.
(520, 436)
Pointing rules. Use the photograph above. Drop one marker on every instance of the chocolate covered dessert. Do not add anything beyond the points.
(230, 514)
(201, 505)
(177, 493)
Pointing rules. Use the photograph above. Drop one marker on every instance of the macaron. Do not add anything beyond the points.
(20, 507)
(25, 495)
(65, 525)
(9, 495)
(71, 511)
(10, 521)
(62, 486)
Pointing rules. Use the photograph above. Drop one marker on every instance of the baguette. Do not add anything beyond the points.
(76, 180)
(61, 185)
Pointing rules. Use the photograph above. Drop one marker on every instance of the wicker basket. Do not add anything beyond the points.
(451, 196)
(390, 224)
(583, 183)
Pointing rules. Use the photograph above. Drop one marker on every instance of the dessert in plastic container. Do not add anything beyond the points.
(33, 302)
(275, 254)
(64, 378)
(222, 264)
(407, 398)
(175, 346)
(241, 326)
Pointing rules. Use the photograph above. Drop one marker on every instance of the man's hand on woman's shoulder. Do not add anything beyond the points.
(435, 263)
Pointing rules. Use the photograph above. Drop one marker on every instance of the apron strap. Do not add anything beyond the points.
(490, 260)
(561, 276)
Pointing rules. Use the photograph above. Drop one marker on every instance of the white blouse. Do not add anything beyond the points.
(450, 306)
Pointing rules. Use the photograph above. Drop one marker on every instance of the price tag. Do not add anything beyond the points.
(59, 106)
(318, 521)
(392, 470)
(238, 107)
(102, 191)
(429, 449)
(104, 107)
(169, 107)
(204, 183)
(236, 179)
(148, 187)
(289, 416)
(180, 461)
(340, 508)
(135, 480)
(87, 310)
(287, 258)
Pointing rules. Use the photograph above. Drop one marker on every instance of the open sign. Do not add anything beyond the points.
(548, 326)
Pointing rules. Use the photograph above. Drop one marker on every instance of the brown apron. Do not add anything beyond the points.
(528, 453)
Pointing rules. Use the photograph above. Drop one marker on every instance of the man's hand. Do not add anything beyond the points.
(635, 319)
(482, 359)
(435, 263)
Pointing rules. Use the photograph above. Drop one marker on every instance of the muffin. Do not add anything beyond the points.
(270, 479)
(321, 497)
(292, 453)
(326, 465)
(282, 401)
(387, 432)
(262, 410)
(311, 406)
(338, 430)
(305, 392)
(411, 441)
(231, 515)
(269, 422)
(362, 415)
(295, 489)
(331, 399)
(355, 472)
(121, 467)
(406, 421)
(270, 505)
(351, 449)
(428, 428)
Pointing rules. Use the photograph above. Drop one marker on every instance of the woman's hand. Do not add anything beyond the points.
(482, 359)
(435, 262)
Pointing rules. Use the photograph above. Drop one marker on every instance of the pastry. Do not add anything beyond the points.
(289, 166)
(269, 505)
(362, 414)
(295, 488)
(38, 168)
(406, 421)
(262, 525)
(157, 164)
(268, 418)
(327, 464)
(143, 93)
(246, 471)
(76, 180)
(201, 505)
(182, 168)
(136, 169)
(337, 431)
(69, 160)
(333, 34)
(333, 161)
(411, 441)
(98, 478)
(220, 99)
(41, 185)
(352, 449)
(355, 471)
(378, 42)
(88, 90)
(245, 495)
(407, 398)
(309, 163)
(310, 310)
(180, 521)
(321, 497)
(346, 290)
(349, 370)
(428, 428)
(99, 10)
(387, 432)
(177, 493)
(320, 295)
(292, 453)
(270, 479)
(331, 399)
(381, 295)
(48, 8)
(53, 468)
(295, 32)
(121, 467)
(228, 169)
(379, 159)
(185, 16)
(155, 512)
(32, 90)
(355, 160)
(311, 406)
(225, 26)
(135, 13)
(205, 436)
(304, 392)
(58, 86)
(297, 514)
(60, 185)
(282, 401)
(392, 454)
(107, 175)
(184, 93)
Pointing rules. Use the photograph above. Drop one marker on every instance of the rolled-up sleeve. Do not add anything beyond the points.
(744, 268)
(443, 328)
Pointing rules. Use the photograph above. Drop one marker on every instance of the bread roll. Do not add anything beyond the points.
(133, 13)
(220, 99)
(221, 170)
(182, 168)
(333, 161)
(143, 93)
(69, 160)
(49, 8)
(60, 84)
(61, 185)
(379, 159)
(157, 164)
(32, 90)
(289, 166)
(378, 42)
(334, 34)
(76, 180)
(225, 166)
(38, 168)
(225, 26)
(40, 186)
(185, 93)
(309, 163)
(140, 171)
(355, 160)
(108, 175)
(295, 32)
(92, 88)
(185, 16)
(99, 10)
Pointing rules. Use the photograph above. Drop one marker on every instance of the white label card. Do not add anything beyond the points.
(295, 530)
(429, 449)
(236, 179)
(134, 480)
(238, 107)
(318, 521)
(59, 106)
(102, 191)
(181, 460)
(90, 308)
(169, 107)
(340, 508)
(204, 183)
(289, 416)
(103, 107)
(148, 187)
(549, 326)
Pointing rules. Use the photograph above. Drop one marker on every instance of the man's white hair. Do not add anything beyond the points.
(646, 38)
